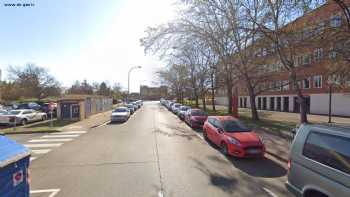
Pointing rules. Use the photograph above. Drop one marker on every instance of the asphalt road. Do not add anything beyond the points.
(153, 154)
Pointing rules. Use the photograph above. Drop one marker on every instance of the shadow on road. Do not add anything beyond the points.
(116, 123)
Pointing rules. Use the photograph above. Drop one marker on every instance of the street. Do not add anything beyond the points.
(152, 154)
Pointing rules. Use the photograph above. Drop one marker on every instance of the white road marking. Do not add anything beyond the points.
(51, 140)
(104, 124)
(58, 136)
(32, 158)
(160, 194)
(269, 192)
(69, 132)
(40, 151)
(53, 192)
(42, 145)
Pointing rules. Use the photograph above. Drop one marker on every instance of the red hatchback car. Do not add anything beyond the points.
(233, 137)
(196, 118)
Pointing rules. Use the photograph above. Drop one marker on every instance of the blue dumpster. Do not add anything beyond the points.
(14, 163)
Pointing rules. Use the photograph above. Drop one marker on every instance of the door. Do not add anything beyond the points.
(272, 103)
(259, 103)
(286, 104)
(65, 110)
(278, 104)
(264, 103)
(296, 106)
(75, 111)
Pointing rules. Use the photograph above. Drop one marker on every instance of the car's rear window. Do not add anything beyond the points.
(330, 150)
(198, 113)
(120, 110)
(234, 126)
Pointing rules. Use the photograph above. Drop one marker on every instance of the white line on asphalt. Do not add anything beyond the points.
(69, 132)
(51, 140)
(58, 136)
(160, 194)
(269, 192)
(32, 158)
(42, 145)
(40, 151)
(104, 124)
(52, 192)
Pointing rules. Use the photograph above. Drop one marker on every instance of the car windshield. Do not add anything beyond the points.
(199, 113)
(130, 106)
(14, 112)
(184, 108)
(234, 126)
(120, 110)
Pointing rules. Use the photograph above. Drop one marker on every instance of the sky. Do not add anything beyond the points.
(96, 40)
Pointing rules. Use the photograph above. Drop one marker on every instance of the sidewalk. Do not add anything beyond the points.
(91, 122)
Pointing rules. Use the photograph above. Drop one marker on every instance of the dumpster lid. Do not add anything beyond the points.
(11, 151)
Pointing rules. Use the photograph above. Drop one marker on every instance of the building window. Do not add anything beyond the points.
(320, 28)
(306, 59)
(317, 81)
(332, 53)
(318, 54)
(306, 83)
(335, 21)
(263, 51)
(285, 85)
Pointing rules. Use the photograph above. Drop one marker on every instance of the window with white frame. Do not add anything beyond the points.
(299, 60)
(317, 81)
(335, 21)
(263, 51)
(285, 85)
(332, 53)
(306, 59)
(318, 54)
(306, 83)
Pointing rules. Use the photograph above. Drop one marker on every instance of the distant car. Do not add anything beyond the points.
(30, 105)
(120, 114)
(169, 106)
(319, 161)
(22, 117)
(131, 107)
(233, 137)
(195, 118)
(182, 111)
(136, 107)
(45, 108)
(175, 107)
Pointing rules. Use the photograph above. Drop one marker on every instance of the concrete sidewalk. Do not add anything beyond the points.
(91, 122)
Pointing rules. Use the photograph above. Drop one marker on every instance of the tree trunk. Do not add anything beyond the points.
(196, 97)
(229, 97)
(212, 92)
(204, 102)
(254, 111)
(303, 108)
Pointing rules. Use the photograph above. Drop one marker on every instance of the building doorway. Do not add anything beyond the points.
(286, 104)
(278, 104)
(245, 102)
(264, 103)
(259, 103)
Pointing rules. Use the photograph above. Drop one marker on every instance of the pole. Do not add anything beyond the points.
(330, 104)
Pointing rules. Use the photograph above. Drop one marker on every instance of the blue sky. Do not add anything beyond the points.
(97, 40)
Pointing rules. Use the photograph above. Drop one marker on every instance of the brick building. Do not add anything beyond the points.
(153, 93)
(312, 65)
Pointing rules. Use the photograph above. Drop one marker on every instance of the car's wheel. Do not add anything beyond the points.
(224, 149)
(23, 122)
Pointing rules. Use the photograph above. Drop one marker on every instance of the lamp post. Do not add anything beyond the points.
(132, 68)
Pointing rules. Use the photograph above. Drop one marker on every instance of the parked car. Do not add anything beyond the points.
(120, 114)
(175, 107)
(195, 118)
(170, 105)
(22, 117)
(319, 161)
(131, 107)
(2, 111)
(182, 111)
(31, 105)
(233, 137)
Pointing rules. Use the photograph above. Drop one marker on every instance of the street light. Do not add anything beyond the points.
(132, 68)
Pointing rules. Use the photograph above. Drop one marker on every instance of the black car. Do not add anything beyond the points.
(31, 105)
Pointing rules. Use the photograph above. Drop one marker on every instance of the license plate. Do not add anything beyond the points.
(254, 151)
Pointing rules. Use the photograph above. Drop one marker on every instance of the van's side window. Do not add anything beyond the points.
(330, 150)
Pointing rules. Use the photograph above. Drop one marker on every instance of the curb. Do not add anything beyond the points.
(97, 125)
(29, 132)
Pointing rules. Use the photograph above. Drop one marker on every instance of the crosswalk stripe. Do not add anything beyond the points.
(42, 145)
(58, 136)
(51, 140)
(40, 151)
(69, 132)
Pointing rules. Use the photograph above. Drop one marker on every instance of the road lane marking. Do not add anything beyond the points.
(51, 140)
(42, 145)
(160, 194)
(269, 192)
(69, 132)
(32, 158)
(58, 136)
(40, 151)
(53, 192)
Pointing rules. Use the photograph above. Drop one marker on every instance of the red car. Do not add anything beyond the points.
(196, 118)
(233, 137)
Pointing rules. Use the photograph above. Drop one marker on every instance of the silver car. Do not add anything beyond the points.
(22, 116)
(319, 164)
